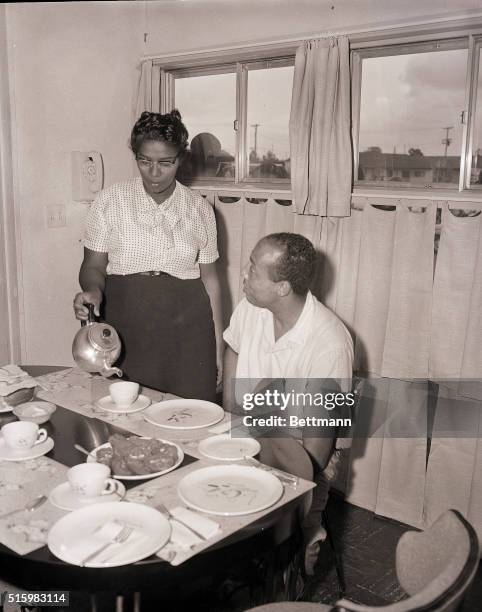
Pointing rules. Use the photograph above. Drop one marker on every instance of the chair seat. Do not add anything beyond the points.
(289, 606)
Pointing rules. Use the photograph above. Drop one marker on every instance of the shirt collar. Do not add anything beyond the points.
(150, 213)
(301, 330)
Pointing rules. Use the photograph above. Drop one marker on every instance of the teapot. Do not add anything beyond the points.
(96, 346)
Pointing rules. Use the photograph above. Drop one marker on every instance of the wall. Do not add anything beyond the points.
(72, 70)
(175, 26)
(9, 332)
(72, 67)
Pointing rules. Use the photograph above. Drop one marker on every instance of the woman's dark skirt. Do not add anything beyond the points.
(167, 332)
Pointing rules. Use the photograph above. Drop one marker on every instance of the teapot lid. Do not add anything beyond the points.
(103, 337)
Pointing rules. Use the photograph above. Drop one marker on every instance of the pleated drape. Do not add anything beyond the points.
(320, 141)
(378, 270)
(143, 90)
(240, 225)
(454, 471)
(377, 273)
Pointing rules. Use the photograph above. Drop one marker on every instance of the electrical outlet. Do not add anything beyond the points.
(56, 215)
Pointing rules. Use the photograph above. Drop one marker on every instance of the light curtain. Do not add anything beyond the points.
(143, 90)
(376, 273)
(320, 141)
(454, 471)
(378, 279)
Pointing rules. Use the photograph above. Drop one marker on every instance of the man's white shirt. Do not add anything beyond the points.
(317, 346)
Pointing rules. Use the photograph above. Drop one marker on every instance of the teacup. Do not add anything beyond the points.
(124, 393)
(23, 435)
(89, 480)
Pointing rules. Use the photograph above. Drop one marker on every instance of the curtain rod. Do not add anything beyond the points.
(394, 198)
(356, 34)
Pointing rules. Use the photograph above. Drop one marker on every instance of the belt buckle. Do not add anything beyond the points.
(156, 273)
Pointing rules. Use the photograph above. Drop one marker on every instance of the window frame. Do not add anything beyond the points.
(284, 57)
(371, 40)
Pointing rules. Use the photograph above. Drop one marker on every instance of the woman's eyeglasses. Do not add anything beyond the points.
(162, 163)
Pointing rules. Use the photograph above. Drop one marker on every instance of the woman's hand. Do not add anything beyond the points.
(87, 297)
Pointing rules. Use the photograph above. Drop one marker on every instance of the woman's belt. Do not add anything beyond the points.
(152, 273)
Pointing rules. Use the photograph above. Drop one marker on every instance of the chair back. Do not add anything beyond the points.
(435, 567)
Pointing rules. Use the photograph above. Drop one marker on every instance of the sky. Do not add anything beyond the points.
(406, 102)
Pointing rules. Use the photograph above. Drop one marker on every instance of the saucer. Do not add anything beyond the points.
(63, 497)
(106, 403)
(9, 454)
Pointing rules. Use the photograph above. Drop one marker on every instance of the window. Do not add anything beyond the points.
(417, 114)
(237, 115)
(475, 142)
(411, 100)
(416, 111)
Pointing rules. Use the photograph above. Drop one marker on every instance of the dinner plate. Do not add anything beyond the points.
(180, 456)
(107, 403)
(9, 454)
(230, 490)
(73, 537)
(64, 497)
(184, 414)
(226, 448)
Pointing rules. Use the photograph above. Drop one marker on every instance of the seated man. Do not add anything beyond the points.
(281, 331)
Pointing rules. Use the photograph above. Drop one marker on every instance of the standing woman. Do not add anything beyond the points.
(150, 248)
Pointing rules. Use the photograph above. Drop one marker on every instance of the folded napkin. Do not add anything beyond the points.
(182, 538)
(13, 378)
(86, 545)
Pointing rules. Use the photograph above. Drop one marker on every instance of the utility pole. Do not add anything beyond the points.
(446, 141)
(255, 126)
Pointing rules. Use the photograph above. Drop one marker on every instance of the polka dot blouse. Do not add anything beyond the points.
(138, 235)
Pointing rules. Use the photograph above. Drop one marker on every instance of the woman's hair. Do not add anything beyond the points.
(154, 126)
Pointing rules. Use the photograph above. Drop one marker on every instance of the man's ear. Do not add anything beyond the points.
(284, 288)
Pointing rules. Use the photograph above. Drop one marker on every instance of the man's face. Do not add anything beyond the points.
(258, 286)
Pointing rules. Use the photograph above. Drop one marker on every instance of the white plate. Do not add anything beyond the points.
(180, 457)
(184, 414)
(230, 490)
(68, 537)
(64, 497)
(226, 448)
(8, 454)
(106, 403)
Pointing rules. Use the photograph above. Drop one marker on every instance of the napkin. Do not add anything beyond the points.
(13, 378)
(82, 548)
(182, 538)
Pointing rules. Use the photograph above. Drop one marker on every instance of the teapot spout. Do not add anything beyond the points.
(108, 372)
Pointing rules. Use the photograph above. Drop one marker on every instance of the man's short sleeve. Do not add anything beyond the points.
(96, 237)
(233, 334)
(209, 252)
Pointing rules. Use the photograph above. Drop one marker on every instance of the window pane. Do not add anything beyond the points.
(476, 170)
(208, 108)
(269, 101)
(410, 130)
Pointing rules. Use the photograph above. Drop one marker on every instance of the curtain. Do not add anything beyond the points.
(240, 225)
(454, 471)
(377, 273)
(320, 141)
(378, 270)
(143, 90)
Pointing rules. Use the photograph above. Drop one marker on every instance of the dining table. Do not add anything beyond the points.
(78, 421)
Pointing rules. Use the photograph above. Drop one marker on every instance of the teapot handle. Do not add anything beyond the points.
(91, 315)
